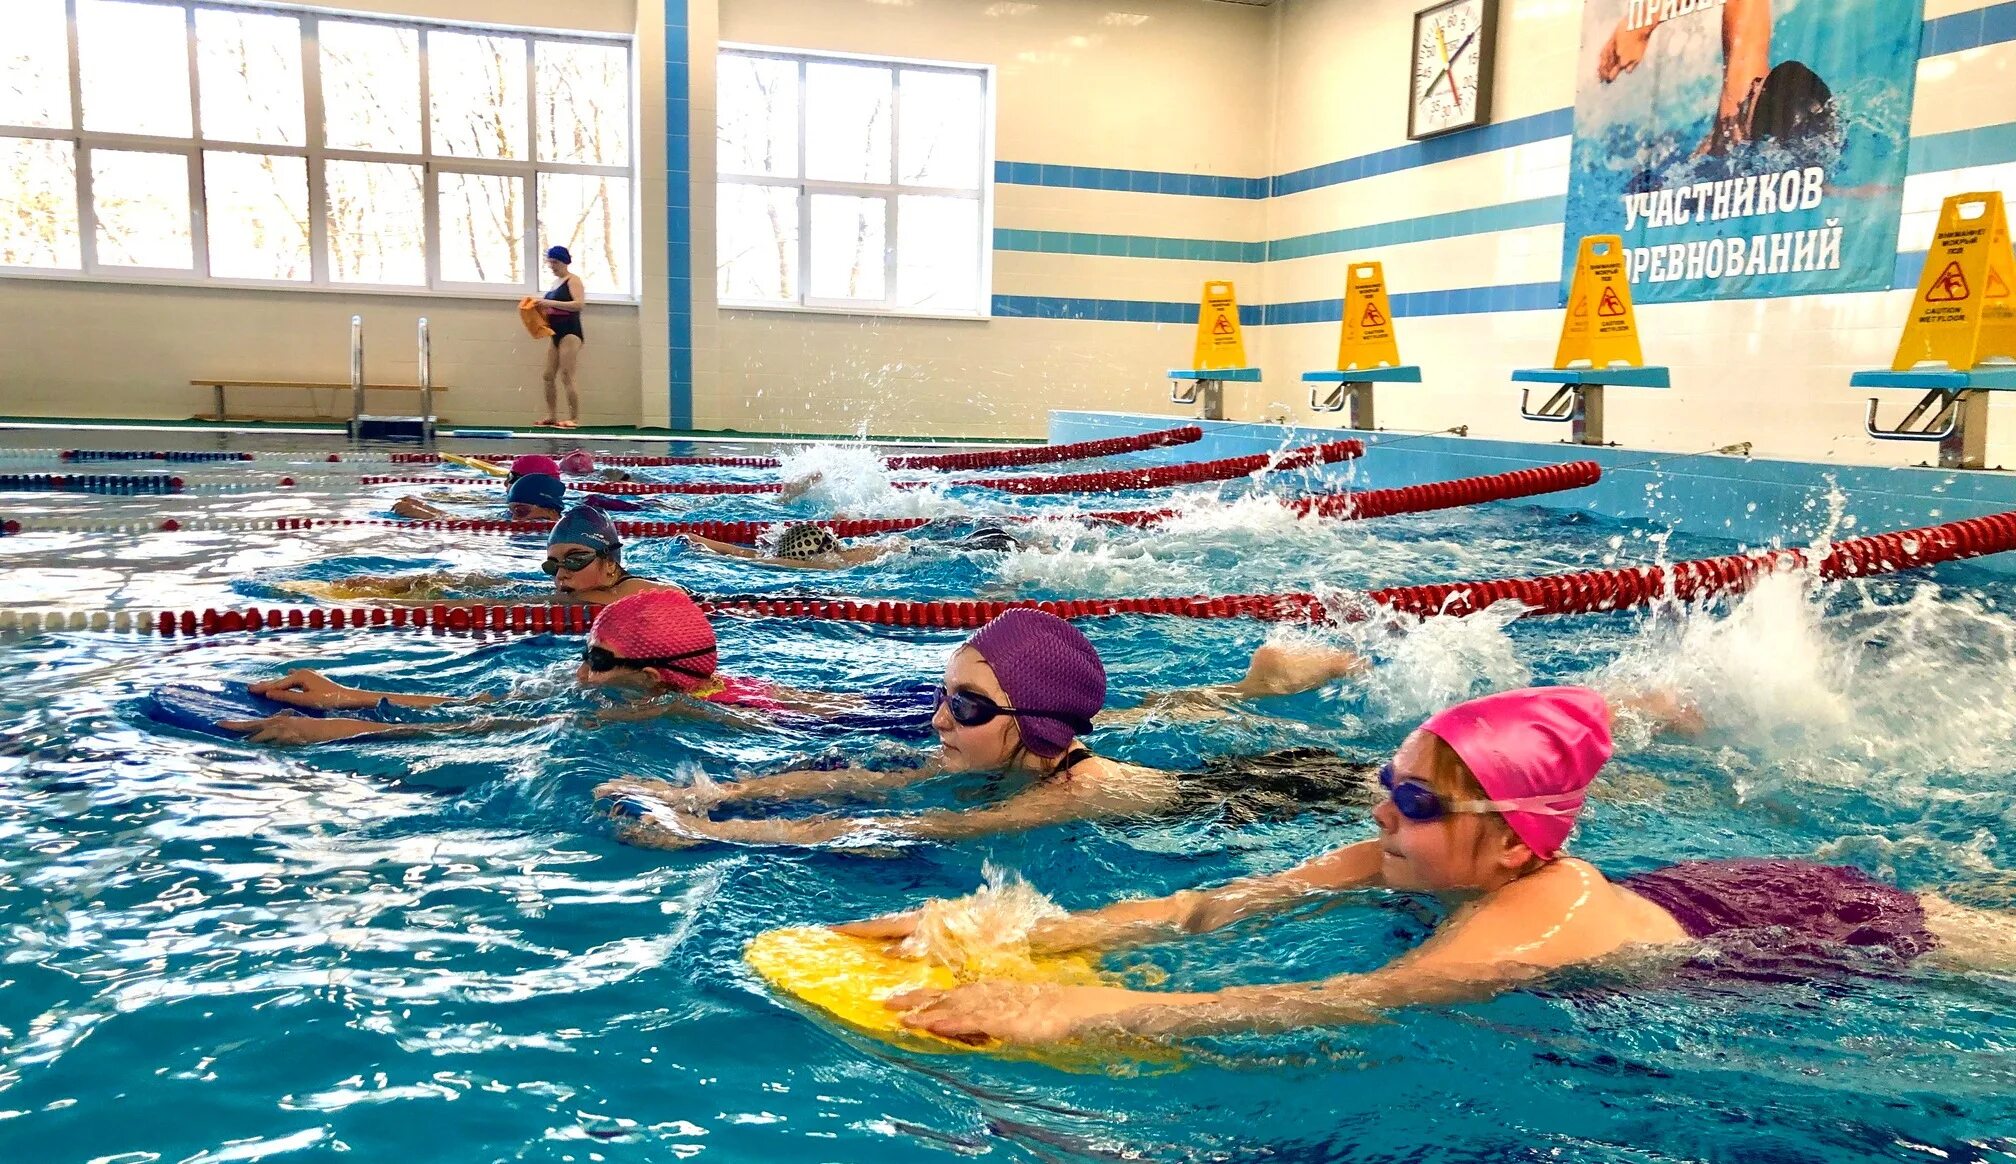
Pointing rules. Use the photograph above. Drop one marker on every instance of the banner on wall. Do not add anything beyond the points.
(1743, 148)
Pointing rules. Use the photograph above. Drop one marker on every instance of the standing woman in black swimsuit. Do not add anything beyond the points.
(562, 306)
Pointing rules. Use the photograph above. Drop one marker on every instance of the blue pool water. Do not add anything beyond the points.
(425, 950)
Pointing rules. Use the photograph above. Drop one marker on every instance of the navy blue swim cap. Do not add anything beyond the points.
(537, 489)
(560, 253)
(584, 525)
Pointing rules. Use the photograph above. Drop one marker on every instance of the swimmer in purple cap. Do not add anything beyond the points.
(1477, 806)
(1016, 698)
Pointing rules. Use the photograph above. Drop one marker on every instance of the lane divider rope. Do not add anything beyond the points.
(1335, 506)
(1577, 593)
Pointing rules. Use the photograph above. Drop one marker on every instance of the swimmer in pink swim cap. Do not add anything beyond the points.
(1477, 806)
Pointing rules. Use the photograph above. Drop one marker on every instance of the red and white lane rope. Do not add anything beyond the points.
(1578, 593)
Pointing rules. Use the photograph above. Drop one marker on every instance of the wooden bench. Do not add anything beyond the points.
(309, 386)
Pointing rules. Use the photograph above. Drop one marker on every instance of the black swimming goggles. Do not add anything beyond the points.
(1421, 804)
(971, 709)
(578, 560)
(603, 659)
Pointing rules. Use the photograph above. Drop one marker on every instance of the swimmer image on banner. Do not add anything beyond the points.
(1743, 148)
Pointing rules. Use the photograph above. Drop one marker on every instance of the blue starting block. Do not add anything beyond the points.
(1352, 394)
(1578, 401)
(1953, 413)
(1207, 388)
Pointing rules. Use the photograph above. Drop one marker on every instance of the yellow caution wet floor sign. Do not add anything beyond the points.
(1963, 313)
(1367, 340)
(1219, 341)
(1600, 329)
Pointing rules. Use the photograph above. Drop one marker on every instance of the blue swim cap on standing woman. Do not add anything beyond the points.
(537, 489)
(584, 525)
(1044, 664)
(560, 254)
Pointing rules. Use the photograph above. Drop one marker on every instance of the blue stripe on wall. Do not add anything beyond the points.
(1959, 32)
(1132, 246)
(678, 219)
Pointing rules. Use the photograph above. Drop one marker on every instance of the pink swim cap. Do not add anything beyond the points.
(534, 464)
(659, 624)
(577, 462)
(1537, 744)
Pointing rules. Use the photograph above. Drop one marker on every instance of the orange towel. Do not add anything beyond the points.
(533, 318)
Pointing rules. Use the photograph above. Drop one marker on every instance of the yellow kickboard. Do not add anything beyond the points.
(478, 465)
(848, 977)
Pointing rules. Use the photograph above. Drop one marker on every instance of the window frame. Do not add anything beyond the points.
(890, 192)
(317, 154)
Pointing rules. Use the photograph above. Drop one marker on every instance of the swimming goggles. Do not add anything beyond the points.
(523, 510)
(1421, 804)
(578, 560)
(603, 659)
(970, 709)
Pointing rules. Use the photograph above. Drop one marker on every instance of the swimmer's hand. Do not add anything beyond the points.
(1623, 51)
(1018, 1012)
(418, 510)
(894, 927)
(687, 798)
(288, 728)
(646, 832)
(306, 688)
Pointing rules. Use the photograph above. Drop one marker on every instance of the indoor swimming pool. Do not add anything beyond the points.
(433, 947)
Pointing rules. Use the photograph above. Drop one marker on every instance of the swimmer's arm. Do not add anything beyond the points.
(307, 688)
(810, 785)
(1193, 911)
(1029, 810)
(1199, 911)
(726, 548)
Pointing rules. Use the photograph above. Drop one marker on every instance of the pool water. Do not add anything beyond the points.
(431, 949)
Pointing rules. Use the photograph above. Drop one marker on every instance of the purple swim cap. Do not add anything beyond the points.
(1044, 664)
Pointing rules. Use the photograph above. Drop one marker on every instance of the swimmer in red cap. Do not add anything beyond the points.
(1477, 806)
(1015, 699)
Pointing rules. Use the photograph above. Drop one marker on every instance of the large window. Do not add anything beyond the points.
(852, 184)
(288, 147)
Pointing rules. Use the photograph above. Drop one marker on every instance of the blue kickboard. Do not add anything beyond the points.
(200, 708)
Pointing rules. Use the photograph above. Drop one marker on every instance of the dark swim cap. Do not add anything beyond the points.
(560, 254)
(805, 541)
(1044, 664)
(584, 525)
(537, 489)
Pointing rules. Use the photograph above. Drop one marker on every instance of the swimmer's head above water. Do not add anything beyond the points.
(1489, 790)
(656, 639)
(584, 552)
(805, 540)
(1025, 685)
(532, 465)
(536, 497)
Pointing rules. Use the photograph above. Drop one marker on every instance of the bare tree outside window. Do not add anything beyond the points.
(525, 141)
(850, 183)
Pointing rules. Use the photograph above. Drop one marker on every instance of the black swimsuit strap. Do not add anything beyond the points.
(1072, 759)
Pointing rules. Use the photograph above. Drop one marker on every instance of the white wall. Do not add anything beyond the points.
(84, 348)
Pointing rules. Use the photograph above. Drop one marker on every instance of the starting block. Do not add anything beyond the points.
(1598, 349)
(1218, 355)
(1960, 341)
(1367, 352)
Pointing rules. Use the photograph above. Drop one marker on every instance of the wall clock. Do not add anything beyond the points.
(1451, 68)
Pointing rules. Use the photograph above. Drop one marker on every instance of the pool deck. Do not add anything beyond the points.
(1752, 501)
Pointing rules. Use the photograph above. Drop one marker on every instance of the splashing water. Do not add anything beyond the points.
(986, 933)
